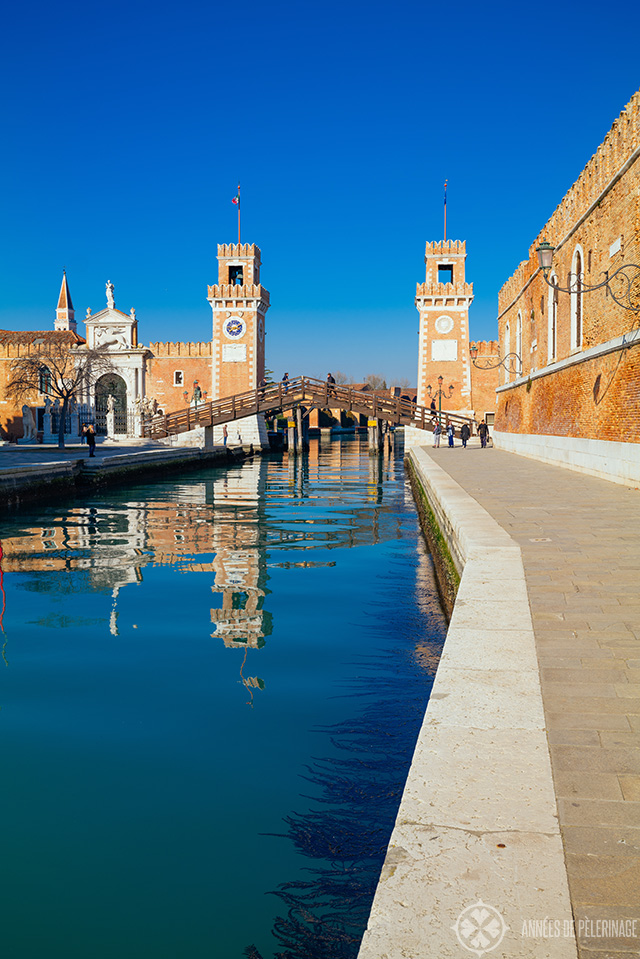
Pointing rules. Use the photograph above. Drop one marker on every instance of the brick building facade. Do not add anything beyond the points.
(576, 401)
(171, 374)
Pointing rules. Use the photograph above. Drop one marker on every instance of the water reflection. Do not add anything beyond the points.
(141, 624)
(224, 525)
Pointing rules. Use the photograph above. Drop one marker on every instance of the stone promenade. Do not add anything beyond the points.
(580, 543)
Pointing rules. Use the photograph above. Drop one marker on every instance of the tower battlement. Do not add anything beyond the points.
(239, 250)
(446, 248)
(430, 289)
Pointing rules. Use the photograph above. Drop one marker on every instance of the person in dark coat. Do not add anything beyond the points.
(90, 433)
(465, 433)
(483, 433)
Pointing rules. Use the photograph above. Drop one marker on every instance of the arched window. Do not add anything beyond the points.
(552, 313)
(44, 380)
(519, 337)
(507, 348)
(575, 285)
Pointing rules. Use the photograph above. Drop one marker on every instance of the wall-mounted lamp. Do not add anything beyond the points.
(627, 296)
(512, 362)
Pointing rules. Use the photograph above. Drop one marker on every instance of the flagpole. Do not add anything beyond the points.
(445, 211)
(238, 214)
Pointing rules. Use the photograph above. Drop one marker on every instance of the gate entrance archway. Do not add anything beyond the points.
(114, 385)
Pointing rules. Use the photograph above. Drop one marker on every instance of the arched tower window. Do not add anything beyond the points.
(552, 313)
(576, 284)
(507, 348)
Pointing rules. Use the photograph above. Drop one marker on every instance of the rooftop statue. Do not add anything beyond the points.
(110, 301)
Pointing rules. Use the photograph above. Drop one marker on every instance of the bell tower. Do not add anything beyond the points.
(443, 302)
(239, 304)
(65, 314)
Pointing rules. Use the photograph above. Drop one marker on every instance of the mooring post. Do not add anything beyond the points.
(292, 436)
(299, 429)
(375, 435)
(303, 427)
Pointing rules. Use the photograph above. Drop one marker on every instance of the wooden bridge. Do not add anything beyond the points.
(301, 391)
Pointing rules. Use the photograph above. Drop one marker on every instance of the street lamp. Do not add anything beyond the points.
(512, 362)
(440, 393)
(628, 274)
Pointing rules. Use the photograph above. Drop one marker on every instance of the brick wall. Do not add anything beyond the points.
(484, 382)
(599, 218)
(191, 360)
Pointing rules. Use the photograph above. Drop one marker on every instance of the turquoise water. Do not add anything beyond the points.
(209, 693)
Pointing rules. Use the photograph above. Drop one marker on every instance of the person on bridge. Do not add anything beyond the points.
(433, 407)
(330, 384)
(437, 430)
(285, 383)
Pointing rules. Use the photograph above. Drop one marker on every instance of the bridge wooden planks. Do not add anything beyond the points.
(301, 391)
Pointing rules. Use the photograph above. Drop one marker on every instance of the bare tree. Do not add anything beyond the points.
(376, 382)
(59, 369)
(342, 378)
(404, 383)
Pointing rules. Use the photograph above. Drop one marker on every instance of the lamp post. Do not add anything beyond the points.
(512, 362)
(628, 296)
(440, 393)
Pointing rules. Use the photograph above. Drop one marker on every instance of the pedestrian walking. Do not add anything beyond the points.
(285, 383)
(450, 434)
(225, 435)
(465, 433)
(91, 438)
(330, 384)
(483, 433)
(433, 407)
(437, 430)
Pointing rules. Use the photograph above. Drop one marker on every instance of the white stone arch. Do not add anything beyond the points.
(575, 285)
(552, 324)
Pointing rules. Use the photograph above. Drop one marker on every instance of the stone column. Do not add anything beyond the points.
(111, 424)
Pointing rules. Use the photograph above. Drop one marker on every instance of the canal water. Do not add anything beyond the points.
(210, 690)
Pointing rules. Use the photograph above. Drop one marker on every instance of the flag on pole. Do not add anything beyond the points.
(236, 198)
(445, 192)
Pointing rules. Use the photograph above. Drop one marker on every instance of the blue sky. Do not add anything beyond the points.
(127, 127)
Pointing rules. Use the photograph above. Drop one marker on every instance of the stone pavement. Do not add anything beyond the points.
(580, 544)
(12, 456)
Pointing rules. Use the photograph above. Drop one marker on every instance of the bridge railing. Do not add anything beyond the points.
(299, 391)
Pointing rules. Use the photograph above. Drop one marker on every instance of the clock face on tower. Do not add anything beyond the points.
(234, 327)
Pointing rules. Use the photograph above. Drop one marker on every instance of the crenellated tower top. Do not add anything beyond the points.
(445, 266)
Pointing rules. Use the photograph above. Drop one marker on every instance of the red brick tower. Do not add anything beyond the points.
(239, 304)
(443, 302)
